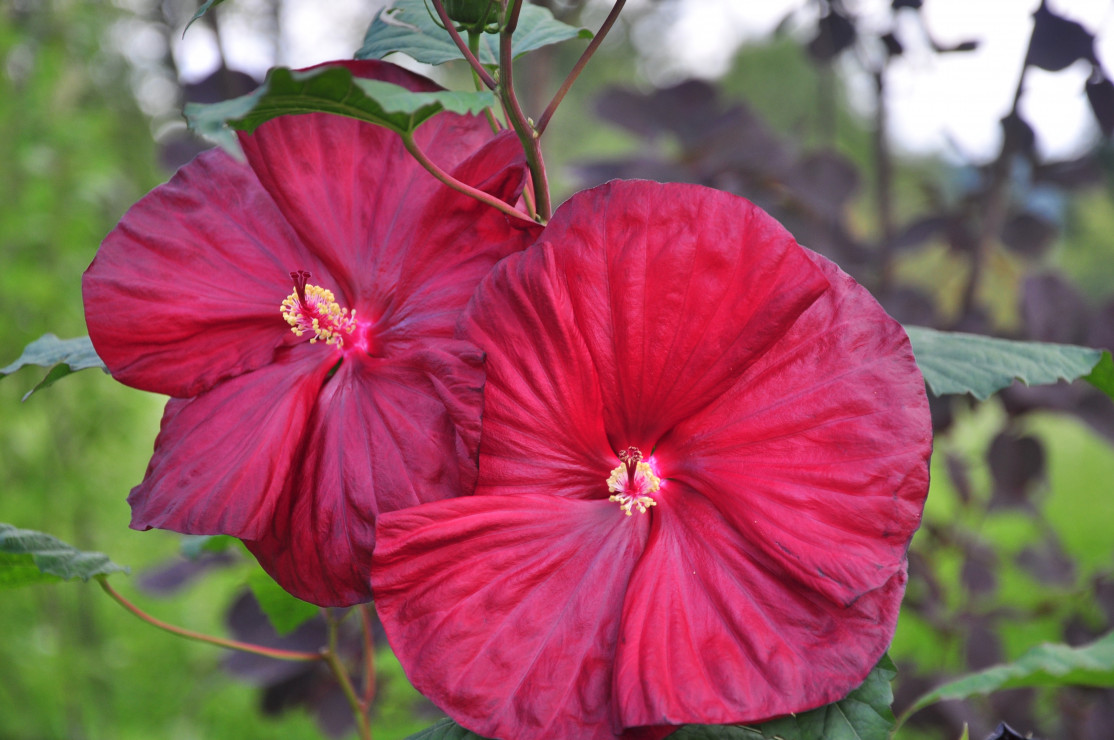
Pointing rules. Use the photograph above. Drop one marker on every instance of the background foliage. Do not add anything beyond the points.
(1017, 546)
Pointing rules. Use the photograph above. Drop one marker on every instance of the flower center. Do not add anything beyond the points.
(311, 308)
(633, 482)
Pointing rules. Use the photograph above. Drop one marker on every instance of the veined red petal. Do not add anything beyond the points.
(450, 243)
(543, 414)
(360, 201)
(222, 458)
(504, 610)
(185, 291)
(678, 289)
(385, 435)
(819, 453)
(712, 634)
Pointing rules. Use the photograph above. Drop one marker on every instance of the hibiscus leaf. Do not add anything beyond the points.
(444, 729)
(410, 27)
(205, 8)
(62, 356)
(969, 363)
(1050, 664)
(285, 612)
(864, 714)
(195, 545)
(34, 557)
(327, 90)
(1102, 377)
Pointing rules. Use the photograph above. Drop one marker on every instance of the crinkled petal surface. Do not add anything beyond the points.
(784, 413)
(503, 609)
(210, 476)
(677, 288)
(185, 291)
(184, 298)
(385, 435)
(712, 632)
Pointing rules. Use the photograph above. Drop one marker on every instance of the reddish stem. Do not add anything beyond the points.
(580, 64)
(191, 635)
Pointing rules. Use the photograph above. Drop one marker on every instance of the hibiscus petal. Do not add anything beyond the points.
(678, 289)
(221, 459)
(504, 609)
(711, 634)
(452, 242)
(819, 454)
(386, 434)
(186, 290)
(362, 203)
(543, 416)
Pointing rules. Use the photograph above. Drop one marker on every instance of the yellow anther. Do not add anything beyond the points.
(316, 310)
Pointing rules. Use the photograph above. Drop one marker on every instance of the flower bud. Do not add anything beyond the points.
(473, 12)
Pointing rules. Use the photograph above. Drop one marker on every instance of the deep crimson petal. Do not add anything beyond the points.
(678, 289)
(505, 610)
(451, 242)
(185, 291)
(819, 453)
(543, 414)
(385, 435)
(356, 197)
(711, 634)
(221, 459)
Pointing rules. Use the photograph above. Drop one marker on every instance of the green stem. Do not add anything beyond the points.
(531, 143)
(191, 635)
(457, 185)
(580, 64)
(473, 61)
(474, 46)
(330, 655)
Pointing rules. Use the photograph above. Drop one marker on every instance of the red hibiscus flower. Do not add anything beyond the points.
(704, 453)
(300, 310)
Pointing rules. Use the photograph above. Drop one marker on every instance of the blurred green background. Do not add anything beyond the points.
(76, 151)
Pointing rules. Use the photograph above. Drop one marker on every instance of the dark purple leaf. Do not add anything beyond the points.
(823, 181)
(1071, 173)
(917, 232)
(1028, 234)
(1058, 42)
(979, 576)
(913, 4)
(1100, 94)
(1048, 563)
(1054, 311)
(1016, 466)
(984, 647)
(1018, 135)
(834, 33)
(958, 475)
(172, 577)
(1005, 732)
(893, 46)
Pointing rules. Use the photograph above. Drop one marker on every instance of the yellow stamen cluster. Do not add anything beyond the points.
(318, 312)
(632, 491)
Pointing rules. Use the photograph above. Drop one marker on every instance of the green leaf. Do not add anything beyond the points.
(205, 8)
(23, 551)
(864, 714)
(62, 356)
(285, 612)
(1102, 377)
(327, 90)
(444, 729)
(410, 27)
(969, 363)
(1045, 665)
(194, 545)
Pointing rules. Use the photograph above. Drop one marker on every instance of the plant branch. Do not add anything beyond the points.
(473, 60)
(218, 641)
(580, 64)
(531, 143)
(369, 656)
(457, 185)
(331, 657)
